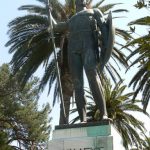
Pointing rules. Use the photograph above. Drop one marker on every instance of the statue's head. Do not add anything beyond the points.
(80, 3)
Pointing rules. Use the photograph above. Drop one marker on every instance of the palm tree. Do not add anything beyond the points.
(141, 80)
(32, 47)
(120, 109)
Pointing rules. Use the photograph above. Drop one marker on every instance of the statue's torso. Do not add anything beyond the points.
(80, 30)
(81, 21)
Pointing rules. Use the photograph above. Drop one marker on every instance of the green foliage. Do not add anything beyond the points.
(141, 21)
(142, 3)
(3, 141)
(20, 119)
(141, 80)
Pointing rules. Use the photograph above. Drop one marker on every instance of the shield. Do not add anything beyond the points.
(108, 45)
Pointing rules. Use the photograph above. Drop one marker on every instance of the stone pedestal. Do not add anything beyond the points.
(90, 136)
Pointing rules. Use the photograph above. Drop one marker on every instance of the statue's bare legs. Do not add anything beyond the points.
(87, 60)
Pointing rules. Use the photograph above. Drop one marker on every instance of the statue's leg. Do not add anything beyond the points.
(76, 68)
(94, 81)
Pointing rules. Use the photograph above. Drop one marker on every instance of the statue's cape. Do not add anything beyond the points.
(107, 49)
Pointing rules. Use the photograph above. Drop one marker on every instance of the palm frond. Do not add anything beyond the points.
(133, 53)
(49, 76)
(138, 76)
(34, 9)
(142, 21)
(146, 94)
(111, 73)
(107, 7)
(123, 34)
(120, 10)
(120, 57)
(140, 40)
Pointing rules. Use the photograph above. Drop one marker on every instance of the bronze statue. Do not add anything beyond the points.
(83, 30)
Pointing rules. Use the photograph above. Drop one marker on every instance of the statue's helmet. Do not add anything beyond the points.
(81, 3)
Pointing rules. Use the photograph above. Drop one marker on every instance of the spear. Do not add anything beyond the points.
(56, 61)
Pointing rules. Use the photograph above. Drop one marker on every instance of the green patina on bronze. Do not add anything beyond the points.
(104, 130)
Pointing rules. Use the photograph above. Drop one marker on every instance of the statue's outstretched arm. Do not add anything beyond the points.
(61, 27)
(58, 26)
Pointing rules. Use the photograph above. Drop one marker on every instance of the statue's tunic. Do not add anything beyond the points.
(81, 34)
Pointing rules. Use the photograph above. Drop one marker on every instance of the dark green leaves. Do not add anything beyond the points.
(20, 118)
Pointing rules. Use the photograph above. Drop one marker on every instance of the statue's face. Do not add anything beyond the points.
(80, 3)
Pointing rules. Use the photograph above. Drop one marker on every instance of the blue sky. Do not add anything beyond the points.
(8, 11)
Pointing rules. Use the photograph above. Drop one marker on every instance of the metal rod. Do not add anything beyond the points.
(56, 62)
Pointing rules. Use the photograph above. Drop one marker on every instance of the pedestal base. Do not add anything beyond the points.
(90, 136)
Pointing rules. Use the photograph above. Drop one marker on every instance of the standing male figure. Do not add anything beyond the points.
(82, 53)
